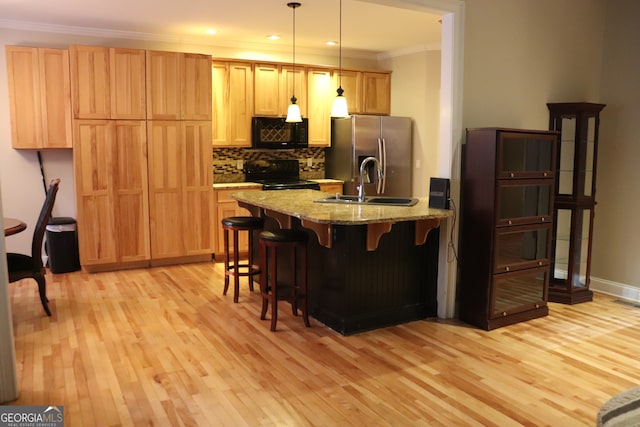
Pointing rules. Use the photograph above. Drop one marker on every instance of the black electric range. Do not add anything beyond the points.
(277, 174)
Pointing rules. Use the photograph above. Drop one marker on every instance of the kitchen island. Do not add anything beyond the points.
(370, 266)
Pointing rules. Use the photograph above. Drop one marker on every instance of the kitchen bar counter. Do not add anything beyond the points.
(369, 266)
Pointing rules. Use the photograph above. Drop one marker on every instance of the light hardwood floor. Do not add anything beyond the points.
(162, 346)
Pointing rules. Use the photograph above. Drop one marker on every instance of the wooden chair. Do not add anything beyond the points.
(30, 267)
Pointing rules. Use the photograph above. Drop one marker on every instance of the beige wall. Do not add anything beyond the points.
(521, 54)
(616, 252)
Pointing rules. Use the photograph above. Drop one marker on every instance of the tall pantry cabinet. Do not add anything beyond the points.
(120, 175)
(508, 182)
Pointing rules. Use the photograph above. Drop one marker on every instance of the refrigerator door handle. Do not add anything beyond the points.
(382, 155)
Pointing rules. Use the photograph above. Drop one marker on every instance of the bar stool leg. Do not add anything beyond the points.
(226, 262)
(264, 277)
(250, 262)
(303, 287)
(273, 295)
(236, 264)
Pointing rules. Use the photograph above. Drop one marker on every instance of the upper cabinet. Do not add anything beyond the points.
(320, 99)
(232, 104)
(178, 86)
(351, 82)
(39, 97)
(107, 83)
(376, 93)
(274, 85)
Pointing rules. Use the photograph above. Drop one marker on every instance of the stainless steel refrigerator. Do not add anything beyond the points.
(386, 138)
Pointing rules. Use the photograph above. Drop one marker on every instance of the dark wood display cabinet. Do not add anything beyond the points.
(575, 191)
(508, 183)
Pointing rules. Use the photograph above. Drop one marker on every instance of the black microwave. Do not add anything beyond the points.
(275, 132)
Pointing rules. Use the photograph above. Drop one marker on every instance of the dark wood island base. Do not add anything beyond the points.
(363, 273)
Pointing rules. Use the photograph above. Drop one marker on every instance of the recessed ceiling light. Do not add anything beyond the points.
(211, 31)
(273, 37)
(331, 43)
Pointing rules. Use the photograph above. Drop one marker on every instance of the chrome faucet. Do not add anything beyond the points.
(363, 165)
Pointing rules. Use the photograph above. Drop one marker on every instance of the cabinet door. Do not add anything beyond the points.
(525, 155)
(232, 104)
(319, 100)
(24, 96)
(166, 161)
(266, 90)
(90, 82)
(228, 207)
(521, 247)
(524, 202)
(196, 87)
(93, 157)
(127, 71)
(197, 209)
(111, 185)
(293, 81)
(376, 93)
(518, 291)
(55, 98)
(163, 85)
(331, 188)
(220, 103)
(39, 97)
(352, 86)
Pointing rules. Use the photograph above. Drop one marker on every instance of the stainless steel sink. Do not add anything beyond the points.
(373, 200)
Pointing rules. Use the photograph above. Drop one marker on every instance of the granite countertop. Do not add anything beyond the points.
(300, 204)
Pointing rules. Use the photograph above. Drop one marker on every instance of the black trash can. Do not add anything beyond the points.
(62, 245)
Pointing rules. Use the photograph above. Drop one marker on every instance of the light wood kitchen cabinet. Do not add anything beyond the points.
(232, 104)
(228, 207)
(266, 98)
(110, 165)
(39, 97)
(180, 189)
(107, 83)
(178, 86)
(195, 86)
(127, 88)
(274, 85)
(319, 99)
(376, 93)
(352, 86)
(330, 187)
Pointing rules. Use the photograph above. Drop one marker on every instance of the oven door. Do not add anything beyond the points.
(276, 133)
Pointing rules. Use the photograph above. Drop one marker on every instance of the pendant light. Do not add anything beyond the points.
(293, 112)
(340, 108)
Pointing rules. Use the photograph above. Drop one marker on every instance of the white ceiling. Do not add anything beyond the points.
(372, 26)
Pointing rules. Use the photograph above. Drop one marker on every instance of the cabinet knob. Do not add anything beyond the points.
(539, 262)
(537, 305)
(542, 219)
(544, 174)
(504, 314)
(510, 222)
(506, 269)
(512, 174)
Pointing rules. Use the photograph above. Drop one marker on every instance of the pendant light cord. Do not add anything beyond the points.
(293, 88)
(340, 50)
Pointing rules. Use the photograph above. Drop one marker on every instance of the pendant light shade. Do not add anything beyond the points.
(340, 108)
(293, 112)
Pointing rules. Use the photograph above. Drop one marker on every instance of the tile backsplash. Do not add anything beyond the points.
(228, 162)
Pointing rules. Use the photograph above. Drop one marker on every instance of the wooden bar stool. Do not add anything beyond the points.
(238, 269)
(272, 289)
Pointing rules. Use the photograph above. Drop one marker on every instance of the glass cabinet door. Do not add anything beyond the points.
(521, 247)
(576, 156)
(522, 156)
(524, 202)
(518, 291)
(572, 249)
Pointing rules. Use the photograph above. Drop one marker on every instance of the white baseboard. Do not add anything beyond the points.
(616, 289)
